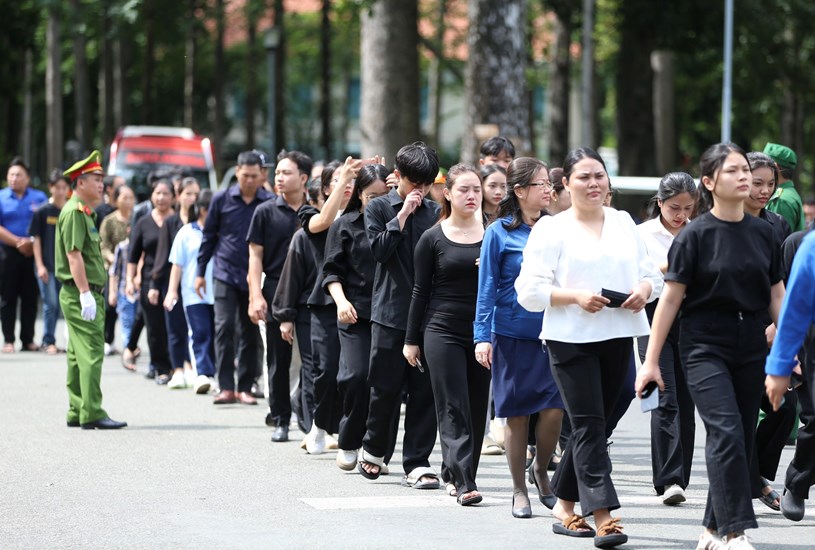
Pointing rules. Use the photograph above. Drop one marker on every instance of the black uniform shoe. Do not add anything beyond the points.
(72, 423)
(792, 506)
(104, 424)
(281, 434)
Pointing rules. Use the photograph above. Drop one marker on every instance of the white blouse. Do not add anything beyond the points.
(561, 253)
(657, 239)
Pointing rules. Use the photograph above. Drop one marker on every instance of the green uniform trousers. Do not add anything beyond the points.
(86, 350)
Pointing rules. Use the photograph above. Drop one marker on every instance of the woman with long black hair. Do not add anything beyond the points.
(673, 423)
(506, 335)
(724, 272)
(348, 276)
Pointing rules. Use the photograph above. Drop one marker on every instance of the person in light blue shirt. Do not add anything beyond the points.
(18, 282)
(199, 308)
(506, 334)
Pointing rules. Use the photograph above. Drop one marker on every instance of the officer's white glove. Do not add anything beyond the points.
(88, 303)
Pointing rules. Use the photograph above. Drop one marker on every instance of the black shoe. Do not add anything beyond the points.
(792, 506)
(151, 373)
(270, 420)
(522, 513)
(72, 423)
(162, 379)
(281, 434)
(104, 424)
(257, 392)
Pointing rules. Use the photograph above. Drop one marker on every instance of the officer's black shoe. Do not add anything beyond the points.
(792, 506)
(281, 434)
(104, 424)
(72, 423)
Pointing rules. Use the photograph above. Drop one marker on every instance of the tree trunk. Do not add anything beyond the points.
(495, 91)
(389, 115)
(218, 127)
(189, 66)
(434, 79)
(106, 79)
(25, 130)
(325, 80)
(635, 111)
(662, 61)
(251, 73)
(82, 124)
(149, 20)
(559, 84)
(53, 91)
(280, 79)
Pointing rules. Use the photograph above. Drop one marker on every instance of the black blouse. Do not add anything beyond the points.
(296, 279)
(349, 260)
(446, 281)
(144, 239)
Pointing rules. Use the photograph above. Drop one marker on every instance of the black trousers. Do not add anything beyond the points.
(138, 326)
(110, 318)
(388, 375)
(325, 344)
(723, 355)
(18, 284)
(303, 399)
(278, 363)
(590, 378)
(178, 339)
(230, 304)
(801, 471)
(673, 424)
(352, 382)
(156, 327)
(771, 438)
(461, 388)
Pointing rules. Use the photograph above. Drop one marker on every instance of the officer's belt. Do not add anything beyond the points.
(96, 288)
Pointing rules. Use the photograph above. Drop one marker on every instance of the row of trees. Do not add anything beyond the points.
(76, 70)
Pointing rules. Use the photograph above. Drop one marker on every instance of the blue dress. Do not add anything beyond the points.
(521, 377)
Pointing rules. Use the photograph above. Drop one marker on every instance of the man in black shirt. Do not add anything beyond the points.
(394, 224)
(270, 233)
(224, 240)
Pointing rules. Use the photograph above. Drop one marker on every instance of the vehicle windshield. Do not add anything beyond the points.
(136, 176)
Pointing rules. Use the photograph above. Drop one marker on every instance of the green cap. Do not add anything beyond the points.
(784, 156)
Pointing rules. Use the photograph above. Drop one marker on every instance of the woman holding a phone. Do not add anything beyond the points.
(589, 269)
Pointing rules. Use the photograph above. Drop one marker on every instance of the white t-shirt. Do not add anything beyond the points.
(561, 253)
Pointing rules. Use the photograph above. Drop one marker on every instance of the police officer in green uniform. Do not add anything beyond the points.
(80, 269)
(786, 201)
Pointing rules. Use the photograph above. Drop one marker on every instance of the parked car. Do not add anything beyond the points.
(136, 151)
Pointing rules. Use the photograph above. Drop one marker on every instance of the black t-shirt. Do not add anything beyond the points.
(144, 239)
(272, 227)
(726, 266)
(317, 240)
(44, 226)
(446, 281)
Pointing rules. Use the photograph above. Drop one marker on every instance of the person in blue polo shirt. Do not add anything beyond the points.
(18, 282)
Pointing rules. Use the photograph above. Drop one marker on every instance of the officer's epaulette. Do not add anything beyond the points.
(84, 208)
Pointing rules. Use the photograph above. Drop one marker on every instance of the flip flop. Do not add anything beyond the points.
(450, 489)
(8, 348)
(571, 527)
(51, 349)
(469, 498)
(414, 479)
(371, 460)
(772, 499)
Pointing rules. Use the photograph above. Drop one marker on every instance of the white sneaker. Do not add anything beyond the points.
(709, 542)
(331, 443)
(315, 441)
(177, 382)
(201, 384)
(107, 349)
(190, 376)
(346, 460)
(673, 495)
(739, 543)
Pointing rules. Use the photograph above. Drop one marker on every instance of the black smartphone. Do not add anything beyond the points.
(649, 389)
(616, 299)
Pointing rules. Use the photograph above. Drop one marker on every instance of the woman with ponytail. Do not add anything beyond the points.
(506, 334)
(673, 423)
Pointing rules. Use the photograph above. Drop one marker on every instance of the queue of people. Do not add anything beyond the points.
(520, 296)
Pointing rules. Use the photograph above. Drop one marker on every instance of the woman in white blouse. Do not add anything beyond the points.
(673, 423)
(571, 258)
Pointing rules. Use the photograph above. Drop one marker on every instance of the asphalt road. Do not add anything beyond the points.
(187, 474)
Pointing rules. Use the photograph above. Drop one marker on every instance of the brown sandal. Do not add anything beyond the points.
(610, 534)
(573, 526)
